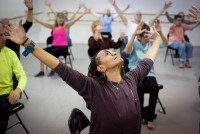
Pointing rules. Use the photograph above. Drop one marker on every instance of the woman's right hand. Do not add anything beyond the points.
(16, 33)
(139, 29)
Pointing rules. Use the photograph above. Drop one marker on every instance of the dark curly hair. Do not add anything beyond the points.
(93, 72)
(145, 26)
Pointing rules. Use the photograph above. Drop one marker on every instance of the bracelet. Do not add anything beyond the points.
(24, 41)
(30, 9)
(29, 48)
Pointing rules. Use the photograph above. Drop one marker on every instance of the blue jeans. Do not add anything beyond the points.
(184, 49)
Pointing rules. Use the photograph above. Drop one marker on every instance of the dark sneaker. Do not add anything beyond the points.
(41, 73)
(51, 73)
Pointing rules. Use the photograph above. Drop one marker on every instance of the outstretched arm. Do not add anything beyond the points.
(91, 11)
(119, 12)
(17, 34)
(138, 31)
(157, 25)
(47, 25)
(125, 9)
(76, 12)
(170, 19)
(166, 6)
(194, 12)
(82, 84)
(29, 5)
(70, 23)
(153, 51)
(51, 9)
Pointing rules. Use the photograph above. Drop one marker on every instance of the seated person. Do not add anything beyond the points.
(171, 20)
(137, 50)
(9, 65)
(177, 41)
(98, 42)
(59, 37)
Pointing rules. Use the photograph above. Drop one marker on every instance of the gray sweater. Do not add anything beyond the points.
(113, 111)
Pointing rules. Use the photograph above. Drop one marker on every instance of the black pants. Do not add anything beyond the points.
(149, 85)
(57, 51)
(5, 108)
(107, 34)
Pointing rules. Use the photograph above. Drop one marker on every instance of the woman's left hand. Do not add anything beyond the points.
(16, 33)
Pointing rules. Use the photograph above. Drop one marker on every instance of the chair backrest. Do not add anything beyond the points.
(142, 87)
(77, 121)
(49, 41)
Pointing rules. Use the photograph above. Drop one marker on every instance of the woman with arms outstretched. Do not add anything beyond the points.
(59, 37)
(112, 99)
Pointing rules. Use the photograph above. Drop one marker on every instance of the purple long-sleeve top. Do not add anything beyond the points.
(112, 111)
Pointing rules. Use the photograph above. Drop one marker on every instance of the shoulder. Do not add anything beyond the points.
(9, 53)
(91, 38)
(8, 50)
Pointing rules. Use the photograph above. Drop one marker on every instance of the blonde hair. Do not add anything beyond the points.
(95, 23)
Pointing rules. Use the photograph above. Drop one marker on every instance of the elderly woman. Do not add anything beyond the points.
(98, 41)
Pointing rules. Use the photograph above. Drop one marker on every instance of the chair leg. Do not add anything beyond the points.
(166, 54)
(163, 109)
(171, 53)
(70, 61)
(26, 95)
(70, 51)
(22, 123)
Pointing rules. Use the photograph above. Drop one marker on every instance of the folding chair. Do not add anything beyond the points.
(77, 121)
(16, 108)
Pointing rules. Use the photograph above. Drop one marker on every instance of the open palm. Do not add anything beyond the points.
(16, 33)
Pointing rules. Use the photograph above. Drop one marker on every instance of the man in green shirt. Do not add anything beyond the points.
(9, 65)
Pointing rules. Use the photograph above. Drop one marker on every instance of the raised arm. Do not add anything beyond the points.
(166, 6)
(194, 12)
(153, 51)
(82, 84)
(29, 5)
(158, 27)
(195, 25)
(130, 44)
(70, 23)
(125, 9)
(76, 12)
(17, 34)
(91, 11)
(170, 19)
(51, 9)
(47, 25)
(119, 12)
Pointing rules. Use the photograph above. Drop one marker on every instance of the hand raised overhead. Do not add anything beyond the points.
(16, 33)
(194, 12)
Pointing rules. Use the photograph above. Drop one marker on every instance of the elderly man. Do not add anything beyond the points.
(9, 65)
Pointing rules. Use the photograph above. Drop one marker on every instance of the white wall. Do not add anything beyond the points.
(81, 31)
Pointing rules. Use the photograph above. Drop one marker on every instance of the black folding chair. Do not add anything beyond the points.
(16, 108)
(77, 121)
